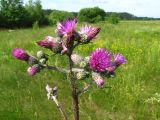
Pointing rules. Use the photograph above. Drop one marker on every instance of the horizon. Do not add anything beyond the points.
(135, 7)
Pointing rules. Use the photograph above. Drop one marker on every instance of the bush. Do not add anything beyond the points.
(35, 13)
(113, 18)
(91, 15)
(57, 15)
(12, 13)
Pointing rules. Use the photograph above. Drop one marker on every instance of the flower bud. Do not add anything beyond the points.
(88, 33)
(76, 59)
(33, 70)
(87, 59)
(32, 60)
(119, 59)
(81, 75)
(40, 54)
(20, 54)
(83, 64)
(51, 43)
(42, 61)
(98, 78)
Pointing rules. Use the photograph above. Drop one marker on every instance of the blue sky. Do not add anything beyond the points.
(149, 8)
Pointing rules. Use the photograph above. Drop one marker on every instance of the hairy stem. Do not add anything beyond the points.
(75, 102)
(54, 98)
(85, 88)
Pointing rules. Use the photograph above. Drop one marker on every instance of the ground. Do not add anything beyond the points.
(135, 92)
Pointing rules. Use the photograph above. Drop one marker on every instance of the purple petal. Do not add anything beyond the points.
(20, 54)
(99, 60)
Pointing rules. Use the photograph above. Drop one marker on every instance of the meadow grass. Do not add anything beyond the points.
(135, 92)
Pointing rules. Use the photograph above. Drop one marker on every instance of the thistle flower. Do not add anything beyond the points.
(51, 43)
(66, 28)
(48, 42)
(99, 60)
(20, 54)
(119, 59)
(97, 78)
(88, 33)
(33, 70)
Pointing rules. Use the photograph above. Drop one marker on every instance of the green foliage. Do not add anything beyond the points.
(91, 15)
(24, 98)
(12, 13)
(113, 18)
(35, 12)
(57, 15)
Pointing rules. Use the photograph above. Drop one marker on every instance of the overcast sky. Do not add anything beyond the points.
(149, 8)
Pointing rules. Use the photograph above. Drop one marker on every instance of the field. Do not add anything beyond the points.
(135, 92)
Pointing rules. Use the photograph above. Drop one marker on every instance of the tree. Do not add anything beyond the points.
(12, 13)
(35, 13)
(91, 15)
(113, 18)
(57, 15)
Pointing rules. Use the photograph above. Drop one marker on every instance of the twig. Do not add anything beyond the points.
(75, 70)
(57, 69)
(85, 88)
(52, 95)
(54, 98)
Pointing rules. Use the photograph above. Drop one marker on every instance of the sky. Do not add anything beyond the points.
(143, 8)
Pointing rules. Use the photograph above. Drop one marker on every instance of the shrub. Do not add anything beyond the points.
(91, 15)
(57, 15)
(113, 18)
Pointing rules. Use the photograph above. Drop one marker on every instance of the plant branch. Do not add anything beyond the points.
(85, 88)
(54, 98)
(75, 70)
(56, 69)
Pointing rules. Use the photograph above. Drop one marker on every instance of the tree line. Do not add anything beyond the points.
(14, 13)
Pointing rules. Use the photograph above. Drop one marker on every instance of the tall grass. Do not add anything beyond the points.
(132, 96)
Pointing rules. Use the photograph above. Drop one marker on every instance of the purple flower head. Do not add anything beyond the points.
(119, 59)
(97, 78)
(66, 28)
(48, 42)
(33, 70)
(99, 60)
(89, 31)
(20, 54)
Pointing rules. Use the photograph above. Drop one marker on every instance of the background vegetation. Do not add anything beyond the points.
(135, 92)
(16, 14)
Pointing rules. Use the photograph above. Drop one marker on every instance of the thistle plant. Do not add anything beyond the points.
(98, 65)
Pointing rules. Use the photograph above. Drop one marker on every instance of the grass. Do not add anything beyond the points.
(135, 92)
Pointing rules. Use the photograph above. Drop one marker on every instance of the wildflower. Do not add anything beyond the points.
(119, 59)
(33, 70)
(20, 54)
(48, 42)
(66, 28)
(99, 60)
(51, 43)
(88, 33)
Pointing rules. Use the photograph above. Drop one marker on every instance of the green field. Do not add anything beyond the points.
(135, 92)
